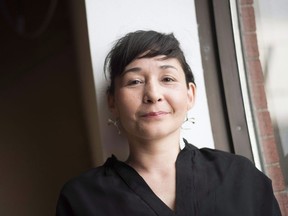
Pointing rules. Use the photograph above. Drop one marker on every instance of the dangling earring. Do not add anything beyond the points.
(115, 123)
(188, 122)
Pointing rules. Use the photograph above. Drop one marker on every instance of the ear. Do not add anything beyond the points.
(191, 94)
(112, 105)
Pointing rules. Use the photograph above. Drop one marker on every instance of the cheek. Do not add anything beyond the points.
(179, 100)
(126, 102)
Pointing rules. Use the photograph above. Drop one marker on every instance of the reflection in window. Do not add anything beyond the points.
(272, 31)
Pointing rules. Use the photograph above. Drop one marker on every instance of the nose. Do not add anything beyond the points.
(152, 93)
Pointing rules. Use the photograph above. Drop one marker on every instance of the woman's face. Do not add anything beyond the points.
(151, 98)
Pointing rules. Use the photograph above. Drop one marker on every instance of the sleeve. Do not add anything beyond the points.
(63, 207)
(276, 209)
(262, 189)
(245, 190)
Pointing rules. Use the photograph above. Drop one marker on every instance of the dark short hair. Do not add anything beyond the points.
(149, 43)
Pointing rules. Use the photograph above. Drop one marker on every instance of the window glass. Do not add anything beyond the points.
(272, 32)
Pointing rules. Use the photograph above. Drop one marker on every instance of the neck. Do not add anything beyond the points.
(154, 155)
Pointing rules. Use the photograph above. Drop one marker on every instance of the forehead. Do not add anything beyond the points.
(157, 61)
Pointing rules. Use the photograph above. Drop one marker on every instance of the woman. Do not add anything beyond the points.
(151, 90)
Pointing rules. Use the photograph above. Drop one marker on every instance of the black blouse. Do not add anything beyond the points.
(208, 183)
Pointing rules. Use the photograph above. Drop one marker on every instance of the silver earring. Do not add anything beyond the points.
(188, 122)
(115, 123)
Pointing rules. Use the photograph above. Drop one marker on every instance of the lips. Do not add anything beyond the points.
(154, 114)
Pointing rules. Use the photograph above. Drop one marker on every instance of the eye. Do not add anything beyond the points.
(168, 79)
(134, 82)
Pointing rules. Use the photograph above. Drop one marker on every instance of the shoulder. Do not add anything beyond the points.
(223, 165)
(226, 172)
(232, 162)
(234, 180)
(228, 160)
(91, 191)
(216, 156)
(98, 177)
(224, 158)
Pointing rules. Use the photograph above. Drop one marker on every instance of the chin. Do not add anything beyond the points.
(156, 133)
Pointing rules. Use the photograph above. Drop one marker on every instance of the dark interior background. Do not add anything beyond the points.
(42, 128)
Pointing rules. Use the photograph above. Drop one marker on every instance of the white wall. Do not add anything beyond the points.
(110, 19)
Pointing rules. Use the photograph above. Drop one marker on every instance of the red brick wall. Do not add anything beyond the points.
(259, 104)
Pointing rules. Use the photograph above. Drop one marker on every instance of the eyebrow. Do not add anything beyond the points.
(134, 69)
(168, 66)
(137, 69)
